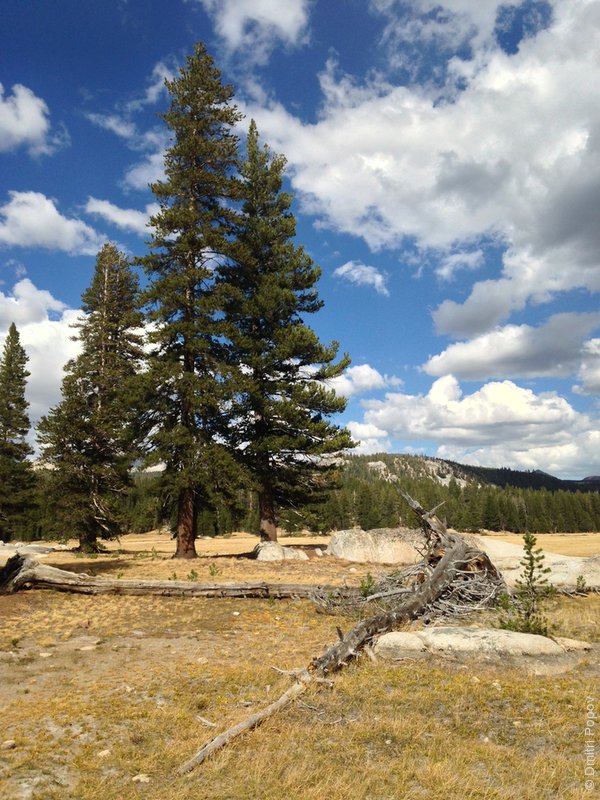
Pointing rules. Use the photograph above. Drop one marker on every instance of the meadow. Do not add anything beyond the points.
(105, 697)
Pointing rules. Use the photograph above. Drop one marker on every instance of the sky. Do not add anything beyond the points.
(445, 162)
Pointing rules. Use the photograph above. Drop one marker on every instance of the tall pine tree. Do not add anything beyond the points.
(16, 477)
(278, 421)
(88, 438)
(191, 235)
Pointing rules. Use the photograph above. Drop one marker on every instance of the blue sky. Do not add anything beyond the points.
(445, 160)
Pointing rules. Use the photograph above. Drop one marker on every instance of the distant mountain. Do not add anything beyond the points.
(442, 471)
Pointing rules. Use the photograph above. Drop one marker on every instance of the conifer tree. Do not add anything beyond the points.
(279, 426)
(16, 477)
(192, 230)
(88, 438)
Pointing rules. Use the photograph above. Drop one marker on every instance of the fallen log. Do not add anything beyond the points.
(448, 559)
(23, 571)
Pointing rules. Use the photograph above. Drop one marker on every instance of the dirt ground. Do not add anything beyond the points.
(103, 697)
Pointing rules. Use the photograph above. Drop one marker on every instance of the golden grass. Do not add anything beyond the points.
(566, 544)
(88, 721)
(97, 691)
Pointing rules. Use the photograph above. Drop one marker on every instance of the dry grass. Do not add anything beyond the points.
(97, 691)
(566, 544)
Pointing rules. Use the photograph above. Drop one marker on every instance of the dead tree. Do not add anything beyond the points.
(22, 571)
(450, 563)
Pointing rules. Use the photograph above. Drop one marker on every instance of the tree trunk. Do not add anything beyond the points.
(88, 543)
(22, 571)
(186, 528)
(268, 522)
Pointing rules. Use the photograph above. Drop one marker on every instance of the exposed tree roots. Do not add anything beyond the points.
(452, 576)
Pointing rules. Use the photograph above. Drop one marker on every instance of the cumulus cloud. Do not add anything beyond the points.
(369, 438)
(128, 219)
(553, 349)
(24, 121)
(361, 379)
(499, 424)
(30, 219)
(452, 263)
(255, 26)
(589, 369)
(511, 154)
(363, 275)
(45, 329)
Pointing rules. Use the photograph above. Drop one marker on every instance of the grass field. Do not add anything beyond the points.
(105, 697)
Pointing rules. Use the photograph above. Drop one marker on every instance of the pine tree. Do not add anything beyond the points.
(522, 611)
(16, 477)
(279, 426)
(192, 233)
(88, 438)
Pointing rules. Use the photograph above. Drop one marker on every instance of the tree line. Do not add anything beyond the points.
(210, 372)
(366, 499)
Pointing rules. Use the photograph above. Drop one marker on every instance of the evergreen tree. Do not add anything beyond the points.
(88, 438)
(522, 611)
(279, 425)
(16, 476)
(189, 385)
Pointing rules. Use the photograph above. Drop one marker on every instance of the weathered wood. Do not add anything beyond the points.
(22, 571)
(298, 688)
(452, 555)
(416, 604)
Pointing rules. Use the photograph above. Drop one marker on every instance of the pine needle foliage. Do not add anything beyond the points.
(522, 611)
(188, 380)
(279, 425)
(16, 477)
(88, 439)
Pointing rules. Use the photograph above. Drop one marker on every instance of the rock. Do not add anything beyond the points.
(395, 645)
(103, 753)
(318, 552)
(565, 570)
(273, 551)
(572, 645)
(483, 641)
(378, 546)
(141, 778)
(8, 744)
(466, 641)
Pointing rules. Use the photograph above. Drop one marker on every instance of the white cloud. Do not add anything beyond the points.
(589, 370)
(128, 219)
(30, 219)
(120, 126)
(363, 275)
(451, 263)
(553, 349)
(499, 424)
(156, 88)
(513, 156)
(255, 26)
(446, 25)
(148, 170)
(26, 305)
(361, 379)
(45, 329)
(24, 121)
(370, 439)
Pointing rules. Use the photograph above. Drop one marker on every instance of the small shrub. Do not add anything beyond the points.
(214, 570)
(521, 611)
(367, 585)
(192, 576)
(581, 585)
